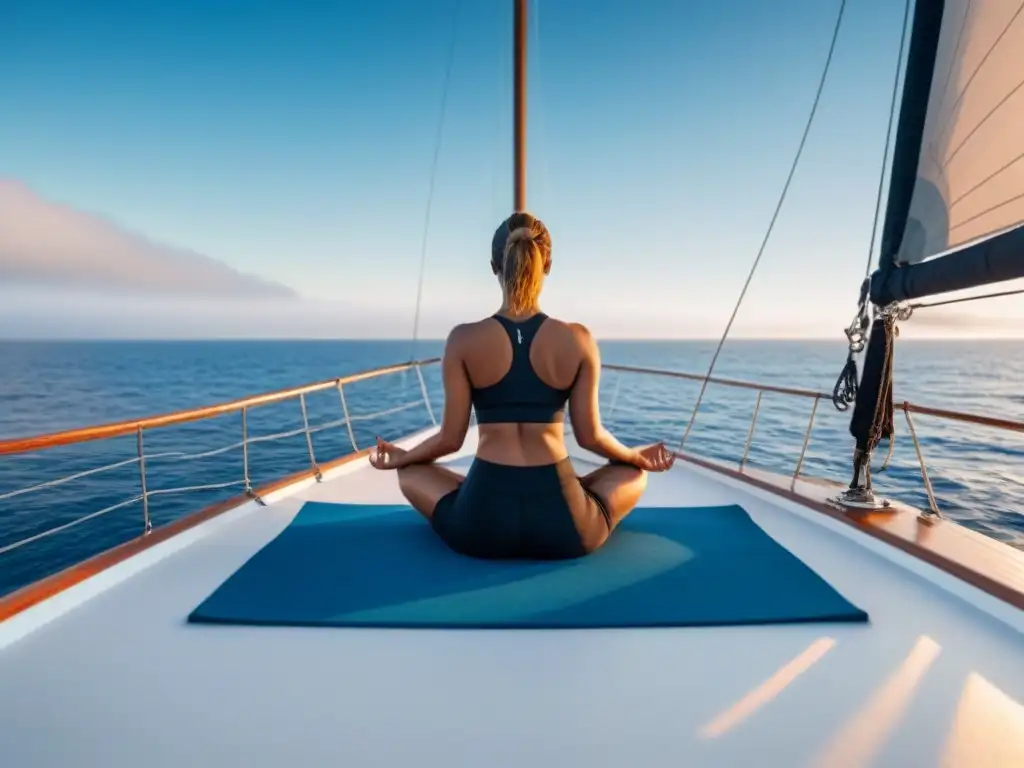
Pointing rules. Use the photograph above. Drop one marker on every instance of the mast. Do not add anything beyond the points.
(519, 105)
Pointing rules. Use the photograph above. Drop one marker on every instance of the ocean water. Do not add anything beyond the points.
(977, 472)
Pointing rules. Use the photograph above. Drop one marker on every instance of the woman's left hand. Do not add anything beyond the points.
(386, 455)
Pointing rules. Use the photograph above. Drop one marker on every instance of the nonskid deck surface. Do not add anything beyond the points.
(123, 680)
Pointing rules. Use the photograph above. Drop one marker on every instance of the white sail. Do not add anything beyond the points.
(970, 177)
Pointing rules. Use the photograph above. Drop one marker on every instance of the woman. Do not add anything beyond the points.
(519, 368)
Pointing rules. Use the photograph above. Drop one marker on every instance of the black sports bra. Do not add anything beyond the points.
(520, 396)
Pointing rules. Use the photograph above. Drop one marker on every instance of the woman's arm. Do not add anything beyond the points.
(584, 412)
(457, 406)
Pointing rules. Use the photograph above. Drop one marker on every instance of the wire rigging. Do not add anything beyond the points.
(844, 394)
(433, 176)
(771, 225)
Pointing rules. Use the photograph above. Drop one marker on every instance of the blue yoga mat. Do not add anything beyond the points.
(383, 566)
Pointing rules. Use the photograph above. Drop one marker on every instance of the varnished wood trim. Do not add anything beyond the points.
(968, 418)
(795, 391)
(989, 565)
(117, 429)
(35, 593)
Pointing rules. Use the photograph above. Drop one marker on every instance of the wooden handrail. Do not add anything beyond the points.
(715, 380)
(119, 428)
(968, 418)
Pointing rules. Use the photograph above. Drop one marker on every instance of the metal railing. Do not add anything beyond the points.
(244, 406)
(141, 427)
(816, 397)
(761, 389)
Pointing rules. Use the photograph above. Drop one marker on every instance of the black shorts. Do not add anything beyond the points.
(535, 513)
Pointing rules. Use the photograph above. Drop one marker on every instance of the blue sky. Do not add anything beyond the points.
(294, 143)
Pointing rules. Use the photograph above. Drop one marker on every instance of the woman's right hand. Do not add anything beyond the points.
(654, 457)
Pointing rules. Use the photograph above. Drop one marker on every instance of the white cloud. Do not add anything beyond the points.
(47, 313)
(43, 243)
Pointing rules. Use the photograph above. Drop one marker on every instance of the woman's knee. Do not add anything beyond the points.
(622, 484)
(633, 475)
(637, 481)
(407, 478)
(424, 484)
(407, 475)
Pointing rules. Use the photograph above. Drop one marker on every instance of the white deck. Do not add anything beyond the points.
(119, 678)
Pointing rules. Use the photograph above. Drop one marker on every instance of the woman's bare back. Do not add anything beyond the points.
(556, 356)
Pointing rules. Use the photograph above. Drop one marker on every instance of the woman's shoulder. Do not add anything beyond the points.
(471, 328)
(575, 333)
(576, 329)
(472, 334)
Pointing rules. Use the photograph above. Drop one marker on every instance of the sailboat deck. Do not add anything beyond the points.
(122, 679)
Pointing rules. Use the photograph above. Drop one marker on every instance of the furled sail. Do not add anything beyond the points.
(958, 170)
